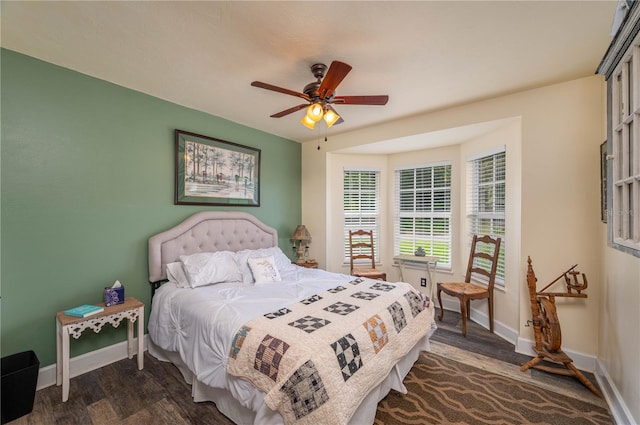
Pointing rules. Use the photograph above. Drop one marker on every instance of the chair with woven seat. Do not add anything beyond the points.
(483, 261)
(361, 248)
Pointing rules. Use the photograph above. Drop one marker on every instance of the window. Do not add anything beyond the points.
(361, 206)
(621, 67)
(423, 211)
(486, 200)
(624, 213)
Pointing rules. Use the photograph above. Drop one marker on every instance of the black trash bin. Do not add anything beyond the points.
(19, 380)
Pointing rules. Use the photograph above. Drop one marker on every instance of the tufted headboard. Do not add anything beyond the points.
(207, 231)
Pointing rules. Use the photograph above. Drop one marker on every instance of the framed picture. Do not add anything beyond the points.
(603, 182)
(211, 171)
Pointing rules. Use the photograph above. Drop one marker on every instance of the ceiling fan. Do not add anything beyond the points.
(320, 95)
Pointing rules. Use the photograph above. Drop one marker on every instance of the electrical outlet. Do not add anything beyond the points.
(423, 281)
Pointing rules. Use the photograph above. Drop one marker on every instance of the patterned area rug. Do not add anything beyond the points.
(445, 391)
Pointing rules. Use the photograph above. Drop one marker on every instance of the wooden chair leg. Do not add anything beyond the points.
(463, 315)
(490, 313)
(469, 309)
(440, 301)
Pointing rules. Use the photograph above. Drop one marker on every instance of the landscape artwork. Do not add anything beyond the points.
(211, 171)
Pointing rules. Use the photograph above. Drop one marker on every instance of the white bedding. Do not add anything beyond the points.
(199, 324)
(202, 332)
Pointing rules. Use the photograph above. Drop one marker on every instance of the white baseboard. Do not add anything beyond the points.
(88, 362)
(585, 362)
(617, 406)
(522, 345)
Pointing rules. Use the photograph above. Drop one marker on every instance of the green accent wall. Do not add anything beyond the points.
(87, 176)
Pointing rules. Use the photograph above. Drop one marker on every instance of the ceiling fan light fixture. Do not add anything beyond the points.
(315, 112)
(308, 122)
(330, 117)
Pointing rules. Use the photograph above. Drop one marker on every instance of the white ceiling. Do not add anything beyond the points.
(426, 55)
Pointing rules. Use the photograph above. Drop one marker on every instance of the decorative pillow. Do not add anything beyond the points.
(283, 263)
(264, 269)
(206, 268)
(175, 274)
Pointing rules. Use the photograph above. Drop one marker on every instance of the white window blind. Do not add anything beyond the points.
(423, 211)
(361, 191)
(486, 201)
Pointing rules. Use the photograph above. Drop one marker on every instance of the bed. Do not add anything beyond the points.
(271, 342)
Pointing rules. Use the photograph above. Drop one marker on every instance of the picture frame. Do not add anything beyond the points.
(603, 182)
(210, 171)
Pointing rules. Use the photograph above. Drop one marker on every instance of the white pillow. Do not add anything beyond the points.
(175, 274)
(264, 269)
(205, 268)
(283, 263)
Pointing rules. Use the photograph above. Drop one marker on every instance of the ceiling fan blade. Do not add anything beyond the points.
(336, 73)
(361, 100)
(289, 111)
(280, 90)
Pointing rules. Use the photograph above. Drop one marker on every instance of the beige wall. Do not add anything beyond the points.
(555, 198)
(619, 347)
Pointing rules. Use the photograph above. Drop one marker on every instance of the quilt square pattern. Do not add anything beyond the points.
(309, 323)
(415, 302)
(348, 355)
(397, 314)
(368, 296)
(312, 299)
(305, 390)
(341, 308)
(279, 313)
(269, 355)
(336, 289)
(386, 287)
(357, 281)
(238, 340)
(377, 331)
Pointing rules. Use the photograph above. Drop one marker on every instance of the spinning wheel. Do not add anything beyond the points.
(547, 326)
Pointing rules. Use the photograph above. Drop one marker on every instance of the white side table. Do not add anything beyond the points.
(430, 262)
(131, 309)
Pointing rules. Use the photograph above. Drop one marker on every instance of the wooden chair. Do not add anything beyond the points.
(467, 291)
(361, 247)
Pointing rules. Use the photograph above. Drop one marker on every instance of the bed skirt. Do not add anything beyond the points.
(263, 415)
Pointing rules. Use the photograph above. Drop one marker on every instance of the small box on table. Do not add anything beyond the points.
(113, 296)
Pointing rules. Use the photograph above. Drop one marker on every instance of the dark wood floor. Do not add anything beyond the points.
(121, 394)
(158, 394)
(479, 340)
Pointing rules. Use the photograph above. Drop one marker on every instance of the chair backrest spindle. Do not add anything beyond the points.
(490, 258)
(362, 244)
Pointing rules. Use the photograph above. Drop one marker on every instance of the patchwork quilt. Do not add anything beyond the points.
(317, 359)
